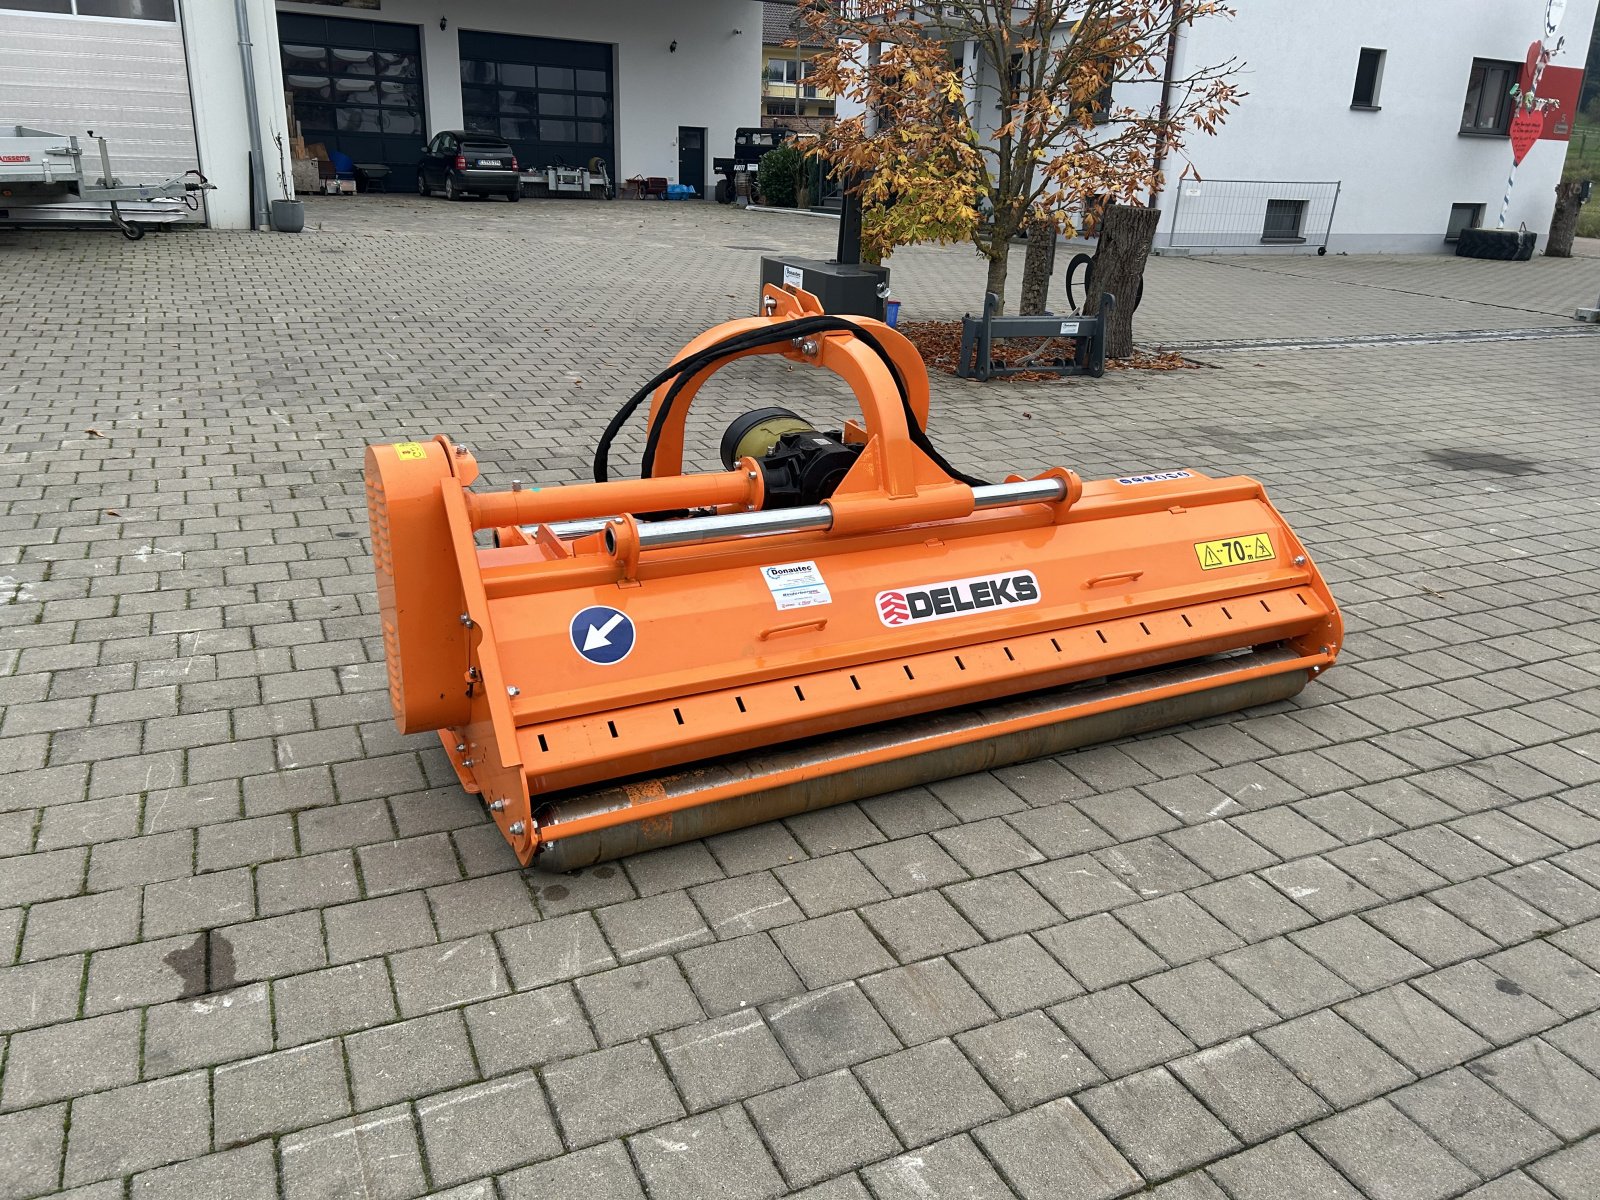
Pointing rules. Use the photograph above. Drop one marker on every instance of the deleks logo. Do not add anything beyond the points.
(957, 598)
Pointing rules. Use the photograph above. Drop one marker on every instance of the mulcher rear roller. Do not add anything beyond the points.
(636, 663)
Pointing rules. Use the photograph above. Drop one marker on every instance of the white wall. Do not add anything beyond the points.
(713, 79)
(123, 79)
(1404, 166)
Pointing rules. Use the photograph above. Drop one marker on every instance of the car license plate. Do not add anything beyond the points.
(488, 162)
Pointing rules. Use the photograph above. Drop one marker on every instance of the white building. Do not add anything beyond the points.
(1370, 126)
(654, 88)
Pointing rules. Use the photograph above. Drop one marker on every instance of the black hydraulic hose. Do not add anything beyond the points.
(686, 368)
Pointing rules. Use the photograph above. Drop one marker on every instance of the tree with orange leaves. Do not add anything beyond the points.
(1024, 128)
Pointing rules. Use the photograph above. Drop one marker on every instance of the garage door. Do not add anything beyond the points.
(356, 86)
(551, 99)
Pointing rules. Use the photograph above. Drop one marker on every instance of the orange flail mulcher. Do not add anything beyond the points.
(641, 662)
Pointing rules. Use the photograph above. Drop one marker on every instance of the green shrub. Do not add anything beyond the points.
(779, 176)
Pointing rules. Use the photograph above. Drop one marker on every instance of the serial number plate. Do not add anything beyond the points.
(1233, 552)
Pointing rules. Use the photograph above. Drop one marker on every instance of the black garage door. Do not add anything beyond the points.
(356, 86)
(550, 99)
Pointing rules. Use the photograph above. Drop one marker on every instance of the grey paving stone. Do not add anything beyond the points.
(1285, 1166)
(715, 1153)
(1059, 830)
(828, 830)
(598, 1171)
(30, 878)
(1359, 954)
(821, 1127)
(926, 1000)
(920, 926)
(1285, 977)
(408, 1059)
(40, 993)
(907, 812)
(736, 907)
(973, 798)
(579, 891)
(1001, 905)
(1498, 1009)
(1156, 1124)
(1028, 1060)
(463, 1132)
(552, 950)
(1039, 1149)
(371, 927)
(1015, 975)
(1219, 849)
(1079, 886)
(1178, 929)
(1284, 832)
(985, 847)
(832, 949)
(954, 1167)
(929, 1092)
(757, 848)
(1386, 1154)
(1571, 1172)
(1151, 867)
(1204, 1002)
(204, 902)
(1546, 1084)
(277, 1093)
(1099, 951)
(274, 947)
(744, 972)
(30, 1151)
(1193, 1186)
(1251, 908)
(827, 885)
(655, 925)
(611, 1093)
(314, 881)
(1474, 1122)
(447, 975)
(128, 976)
(372, 1155)
(1442, 849)
(528, 1029)
(1429, 932)
(1579, 1040)
(831, 1028)
(1120, 1031)
(1550, 975)
(1490, 909)
(1338, 1062)
(247, 1173)
(57, 927)
(482, 904)
(136, 1128)
(1413, 1029)
(632, 1002)
(726, 1059)
(910, 864)
(1321, 888)
(205, 1030)
(308, 1008)
(1249, 1090)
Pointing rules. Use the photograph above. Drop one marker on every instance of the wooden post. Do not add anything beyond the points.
(1038, 265)
(1126, 235)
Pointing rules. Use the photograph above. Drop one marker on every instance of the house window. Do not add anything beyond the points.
(780, 108)
(1284, 219)
(786, 70)
(133, 10)
(1462, 216)
(1487, 110)
(1369, 74)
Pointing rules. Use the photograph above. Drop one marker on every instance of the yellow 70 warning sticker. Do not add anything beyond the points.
(410, 450)
(1231, 552)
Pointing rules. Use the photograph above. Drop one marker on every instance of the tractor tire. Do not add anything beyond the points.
(724, 191)
(1499, 245)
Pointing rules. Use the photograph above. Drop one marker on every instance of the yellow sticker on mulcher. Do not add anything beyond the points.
(410, 450)
(1233, 552)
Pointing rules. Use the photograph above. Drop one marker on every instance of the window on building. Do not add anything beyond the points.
(1284, 221)
(780, 108)
(1462, 216)
(132, 10)
(1487, 110)
(1369, 75)
(787, 70)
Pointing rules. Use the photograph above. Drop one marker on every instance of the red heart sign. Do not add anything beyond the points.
(1526, 127)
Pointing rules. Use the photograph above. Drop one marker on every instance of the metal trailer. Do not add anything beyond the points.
(43, 181)
(591, 182)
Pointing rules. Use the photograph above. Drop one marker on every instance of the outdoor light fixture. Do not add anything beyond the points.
(673, 49)
(443, 21)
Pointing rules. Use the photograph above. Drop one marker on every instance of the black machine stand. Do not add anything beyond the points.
(845, 285)
(978, 336)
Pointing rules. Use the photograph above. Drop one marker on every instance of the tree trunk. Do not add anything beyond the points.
(1040, 262)
(1564, 221)
(996, 281)
(1126, 234)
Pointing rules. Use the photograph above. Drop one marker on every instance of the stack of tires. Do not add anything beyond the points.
(1508, 245)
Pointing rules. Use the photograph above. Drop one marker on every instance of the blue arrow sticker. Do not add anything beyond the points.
(602, 635)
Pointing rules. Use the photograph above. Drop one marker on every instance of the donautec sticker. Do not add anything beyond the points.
(957, 597)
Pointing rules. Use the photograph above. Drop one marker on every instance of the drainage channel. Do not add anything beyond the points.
(1449, 337)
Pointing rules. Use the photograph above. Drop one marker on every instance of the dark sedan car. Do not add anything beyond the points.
(462, 163)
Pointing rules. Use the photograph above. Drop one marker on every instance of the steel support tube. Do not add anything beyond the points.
(693, 531)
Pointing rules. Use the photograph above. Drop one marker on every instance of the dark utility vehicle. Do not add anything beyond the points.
(463, 163)
(749, 147)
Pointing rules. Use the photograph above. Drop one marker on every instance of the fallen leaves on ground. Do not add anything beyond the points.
(939, 343)
(93, 432)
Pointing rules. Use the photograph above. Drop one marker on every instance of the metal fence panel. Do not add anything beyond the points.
(1237, 214)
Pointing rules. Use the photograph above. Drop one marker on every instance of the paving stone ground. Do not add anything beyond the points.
(254, 943)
